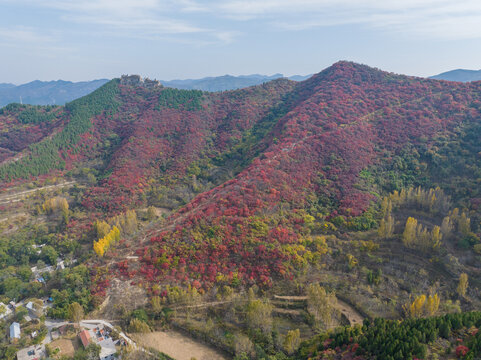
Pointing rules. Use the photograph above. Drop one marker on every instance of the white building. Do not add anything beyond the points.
(15, 331)
(30, 306)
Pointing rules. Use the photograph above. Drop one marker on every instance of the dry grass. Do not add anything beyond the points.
(178, 346)
(67, 347)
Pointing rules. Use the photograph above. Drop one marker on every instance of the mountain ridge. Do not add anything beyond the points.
(461, 75)
(58, 92)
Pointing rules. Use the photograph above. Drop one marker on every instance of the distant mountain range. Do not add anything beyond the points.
(47, 92)
(226, 82)
(461, 75)
(59, 92)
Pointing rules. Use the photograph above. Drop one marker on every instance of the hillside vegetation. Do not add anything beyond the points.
(257, 218)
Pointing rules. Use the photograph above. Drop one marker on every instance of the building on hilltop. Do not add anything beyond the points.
(137, 80)
(133, 80)
(150, 84)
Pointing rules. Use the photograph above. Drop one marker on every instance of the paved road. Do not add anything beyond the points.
(52, 324)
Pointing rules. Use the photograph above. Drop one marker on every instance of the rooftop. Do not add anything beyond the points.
(85, 337)
(15, 330)
(31, 353)
(107, 347)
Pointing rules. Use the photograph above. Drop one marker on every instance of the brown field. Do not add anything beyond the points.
(178, 346)
(67, 347)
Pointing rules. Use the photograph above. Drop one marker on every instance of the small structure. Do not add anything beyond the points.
(37, 273)
(15, 331)
(31, 353)
(55, 335)
(63, 329)
(30, 306)
(40, 279)
(35, 308)
(85, 338)
(107, 349)
(150, 84)
(38, 248)
(5, 311)
(133, 80)
(60, 264)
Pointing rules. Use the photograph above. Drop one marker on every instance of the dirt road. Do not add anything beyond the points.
(19, 196)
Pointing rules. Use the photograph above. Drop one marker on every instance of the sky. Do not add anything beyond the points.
(177, 39)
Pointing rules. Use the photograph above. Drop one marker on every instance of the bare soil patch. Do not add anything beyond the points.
(121, 296)
(178, 346)
(67, 347)
(349, 312)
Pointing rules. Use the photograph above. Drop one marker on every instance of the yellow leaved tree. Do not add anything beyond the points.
(423, 306)
(101, 245)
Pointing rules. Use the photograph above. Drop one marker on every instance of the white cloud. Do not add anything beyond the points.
(443, 19)
(146, 19)
(151, 16)
(33, 41)
(227, 37)
(24, 35)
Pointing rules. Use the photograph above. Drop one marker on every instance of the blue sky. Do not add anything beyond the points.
(167, 39)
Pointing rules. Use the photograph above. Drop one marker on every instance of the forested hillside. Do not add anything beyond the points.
(293, 207)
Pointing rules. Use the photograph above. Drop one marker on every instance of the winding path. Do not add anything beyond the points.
(347, 310)
(19, 196)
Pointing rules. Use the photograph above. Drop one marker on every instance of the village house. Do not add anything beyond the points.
(32, 353)
(100, 336)
(15, 331)
(35, 308)
(85, 338)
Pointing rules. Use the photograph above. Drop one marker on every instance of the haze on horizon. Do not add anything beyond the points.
(172, 39)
